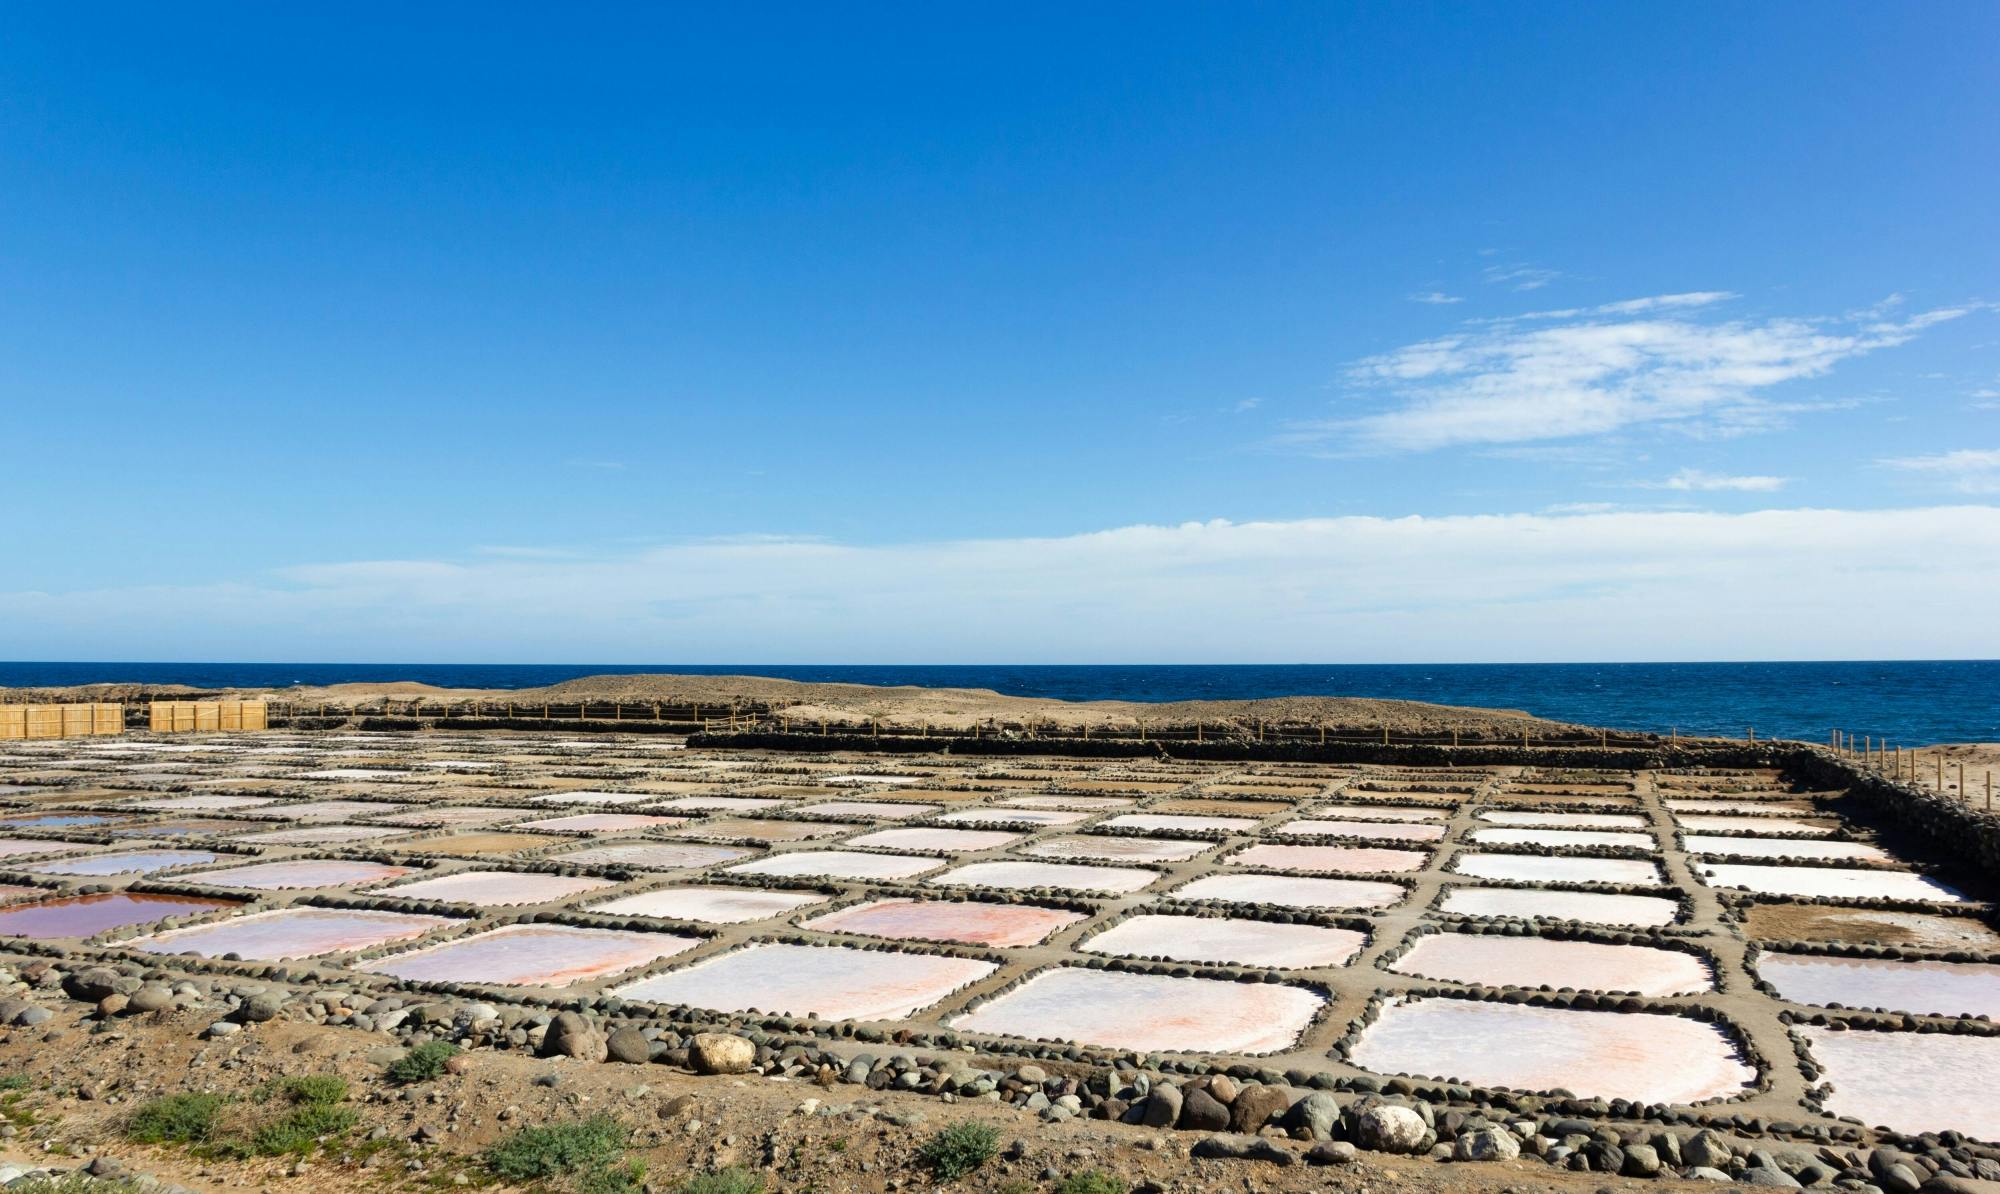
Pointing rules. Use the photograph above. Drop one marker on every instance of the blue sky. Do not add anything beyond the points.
(1065, 333)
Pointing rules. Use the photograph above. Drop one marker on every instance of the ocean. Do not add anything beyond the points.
(1904, 701)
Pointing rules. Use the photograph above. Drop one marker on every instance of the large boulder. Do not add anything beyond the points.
(628, 1045)
(1257, 1105)
(570, 1035)
(1318, 1114)
(721, 1053)
(1163, 1106)
(1486, 1144)
(1201, 1113)
(1708, 1149)
(1242, 1148)
(1388, 1128)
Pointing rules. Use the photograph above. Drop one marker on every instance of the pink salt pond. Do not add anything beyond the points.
(1285, 891)
(1540, 961)
(1386, 831)
(533, 955)
(1602, 908)
(190, 827)
(292, 933)
(729, 829)
(710, 905)
(656, 856)
(1831, 882)
(1340, 860)
(1116, 849)
(1910, 1082)
(1152, 822)
(336, 810)
(832, 982)
(214, 802)
(87, 916)
(1745, 847)
(838, 864)
(601, 823)
(1643, 1056)
(1063, 877)
(1228, 941)
(943, 841)
(1565, 839)
(966, 922)
(1148, 1012)
(21, 847)
(1921, 988)
(299, 873)
(124, 862)
(1533, 868)
(1379, 812)
(460, 816)
(496, 889)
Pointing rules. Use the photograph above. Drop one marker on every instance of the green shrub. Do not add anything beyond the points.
(958, 1150)
(302, 1128)
(723, 1181)
(422, 1063)
(176, 1119)
(315, 1088)
(1090, 1181)
(15, 1082)
(72, 1182)
(589, 1153)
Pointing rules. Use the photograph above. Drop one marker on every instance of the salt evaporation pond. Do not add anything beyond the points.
(1540, 961)
(1379, 812)
(1910, 1082)
(878, 810)
(211, 803)
(495, 889)
(601, 823)
(125, 862)
(190, 827)
(656, 856)
(476, 844)
(757, 829)
(1343, 860)
(1091, 803)
(321, 835)
(1286, 891)
(1533, 868)
(461, 816)
(1922, 988)
(1388, 831)
(1228, 941)
(1148, 1012)
(946, 841)
(1151, 822)
(1746, 808)
(1755, 825)
(299, 873)
(1831, 882)
(1565, 839)
(838, 864)
(21, 847)
(710, 905)
(720, 804)
(966, 922)
(286, 933)
(1117, 849)
(336, 810)
(1593, 907)
(1779, 848)
(1109, 879)
(87, 916)
(830, 981)
(1023, 817)
(586, 796)
(1563, 820)
(536, 955)
(1644, 1056)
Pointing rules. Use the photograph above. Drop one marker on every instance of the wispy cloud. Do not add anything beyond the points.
(1519, 277)
(1694, 480)
(1436, 298)
(1245, 405)
(1967, 470)
(1601, 370)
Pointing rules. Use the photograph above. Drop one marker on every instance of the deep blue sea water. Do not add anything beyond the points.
(1907, 701)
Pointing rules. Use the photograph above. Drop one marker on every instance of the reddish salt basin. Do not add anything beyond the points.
(1754, 825)
(1779, 848)
(944, 841)
(832, 982)
(880, 810)
(1342, 860)
(996, 815)
(1563, 820)
(495, 889)
(710, 905)
(1564, 839)
(752, 829)
(538, 955)
(966, 922)
(1116, 849)
(1910, 1082)
(1387, 831)
(122, 863)
(87, 916)
(600, 823)
(1285, 891)
(1593, 907)
(1538, 961)
(1148, 1012)
(1148, 822)
(656, 856)
(1109, 879)
(838, 864)
(1223, 940)
(1643, 1056)
(1922, 988)
(1832, 882)
(322, 835)
(292, 933)
(299, 873)
(1379, 812)
(1532, 868)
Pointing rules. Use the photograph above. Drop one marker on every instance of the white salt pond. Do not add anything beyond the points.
(838, 864)
(1922, 988)
(322, 835)
(586, 796)
(1019, 875)
(1540, 961)
(1228, 941)
(965, 922)
(944, 841)
(124, 862)
(876, 810)
(1563, 820)
(763, 829)
(296, 874)
(532, 955)
(720, 804)
(1644, 1056)
(1344, 860)
(285, 933)
(1565, 839)
(1533, 868)
(601, 823)
(1152, 822)
(710, 905)
(1743, 847)
(1287, 891)
(1117, 849)
(829, 981)
(1389, 831)
(1603, 908)
(1831, 882)
(337, 810)
(1148, 1012)
(1380, 812)
(1747, 808)
(1755, 825)
(1023, 817)
(495, 889)
(1088, 803)
(1910, 1082)
(656, 856)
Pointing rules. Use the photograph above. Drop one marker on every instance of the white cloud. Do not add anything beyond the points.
(1436, 298)
(1610, 585)
(1968, 470)
(1596, 374)
(1694, 480)
(1520, 277)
